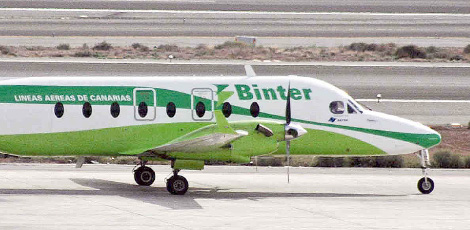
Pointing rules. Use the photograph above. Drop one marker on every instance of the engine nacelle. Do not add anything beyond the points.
(294, 131)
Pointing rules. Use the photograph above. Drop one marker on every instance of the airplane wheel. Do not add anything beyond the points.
(144, 176)
(177, 185)
(425, 187)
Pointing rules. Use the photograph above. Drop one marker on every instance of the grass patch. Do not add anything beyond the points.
(230, 45)
(63, 46)
(168, 48)
(410, 51)
(104, 46)
(84, 53)
(5, 50)
(466, 50)
(446, 159)
(138, 46)
(362, 47)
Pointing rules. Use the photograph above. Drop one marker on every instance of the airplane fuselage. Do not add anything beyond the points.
(110, 116)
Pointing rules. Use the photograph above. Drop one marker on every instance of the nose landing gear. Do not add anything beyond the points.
(425, 184)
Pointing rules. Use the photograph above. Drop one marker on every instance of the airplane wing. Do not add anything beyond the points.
(218, 137)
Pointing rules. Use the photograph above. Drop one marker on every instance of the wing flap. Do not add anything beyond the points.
(199, 144)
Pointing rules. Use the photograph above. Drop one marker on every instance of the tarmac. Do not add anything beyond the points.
(45, 196)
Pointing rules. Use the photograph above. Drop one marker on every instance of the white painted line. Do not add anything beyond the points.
(230, 12)
(414, 101)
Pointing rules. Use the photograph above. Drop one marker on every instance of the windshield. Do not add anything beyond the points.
(356, 105)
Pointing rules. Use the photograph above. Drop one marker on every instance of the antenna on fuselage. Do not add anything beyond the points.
(249, 71)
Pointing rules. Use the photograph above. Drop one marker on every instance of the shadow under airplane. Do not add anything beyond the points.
(159, 195)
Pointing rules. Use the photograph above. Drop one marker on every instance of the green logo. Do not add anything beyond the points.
(245, 92)
(222, 95)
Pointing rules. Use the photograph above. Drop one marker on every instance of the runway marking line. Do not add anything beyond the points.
(232, 12)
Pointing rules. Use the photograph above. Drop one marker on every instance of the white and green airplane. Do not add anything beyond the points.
(187, 120)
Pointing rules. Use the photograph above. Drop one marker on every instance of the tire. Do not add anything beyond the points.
(177, 185)
(144, 176)
(425, 188)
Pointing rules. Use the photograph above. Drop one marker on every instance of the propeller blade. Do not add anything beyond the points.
(288, 160)
(288, 110)
(288, 120)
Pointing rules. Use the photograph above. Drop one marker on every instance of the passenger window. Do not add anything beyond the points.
(254, 109)
(337, 107)
(200, 109)
(351, 110)
(115, 109)
(171, 109)
(86, 110)
(227, 109)
(143, 109)
(59, 109)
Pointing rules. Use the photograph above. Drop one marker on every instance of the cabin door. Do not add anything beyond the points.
(145, 104)
(202, 104)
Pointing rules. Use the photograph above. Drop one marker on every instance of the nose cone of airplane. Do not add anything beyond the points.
(423, 137)
(430, 138)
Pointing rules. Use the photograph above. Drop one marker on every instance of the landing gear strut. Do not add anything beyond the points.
(144, 175)
(425, 184)
(177, 185)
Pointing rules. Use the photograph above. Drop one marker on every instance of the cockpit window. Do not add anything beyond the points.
(355, 105)
(337, 107)
(350, 109)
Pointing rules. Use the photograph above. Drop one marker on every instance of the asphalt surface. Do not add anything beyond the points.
(386, 6)
(106, 197)
(56, 22)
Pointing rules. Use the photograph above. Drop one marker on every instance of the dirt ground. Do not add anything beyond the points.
(240, 51)
(456, 140)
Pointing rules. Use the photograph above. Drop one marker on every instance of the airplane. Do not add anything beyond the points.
(188, 120)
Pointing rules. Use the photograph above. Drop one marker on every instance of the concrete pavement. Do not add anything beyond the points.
(220, 197)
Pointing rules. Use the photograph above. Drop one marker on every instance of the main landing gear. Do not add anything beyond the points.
(425, 184)
(177, 185)
(144, 175)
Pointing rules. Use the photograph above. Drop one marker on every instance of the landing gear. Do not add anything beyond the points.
(144, 175)
(177, 185)
(425, 184)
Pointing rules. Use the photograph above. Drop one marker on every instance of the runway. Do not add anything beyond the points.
(442, 85)
(385, 6)
(99, 22)
(106, 197)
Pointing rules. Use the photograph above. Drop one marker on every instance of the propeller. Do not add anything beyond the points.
(291, 131)
(287, 131)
